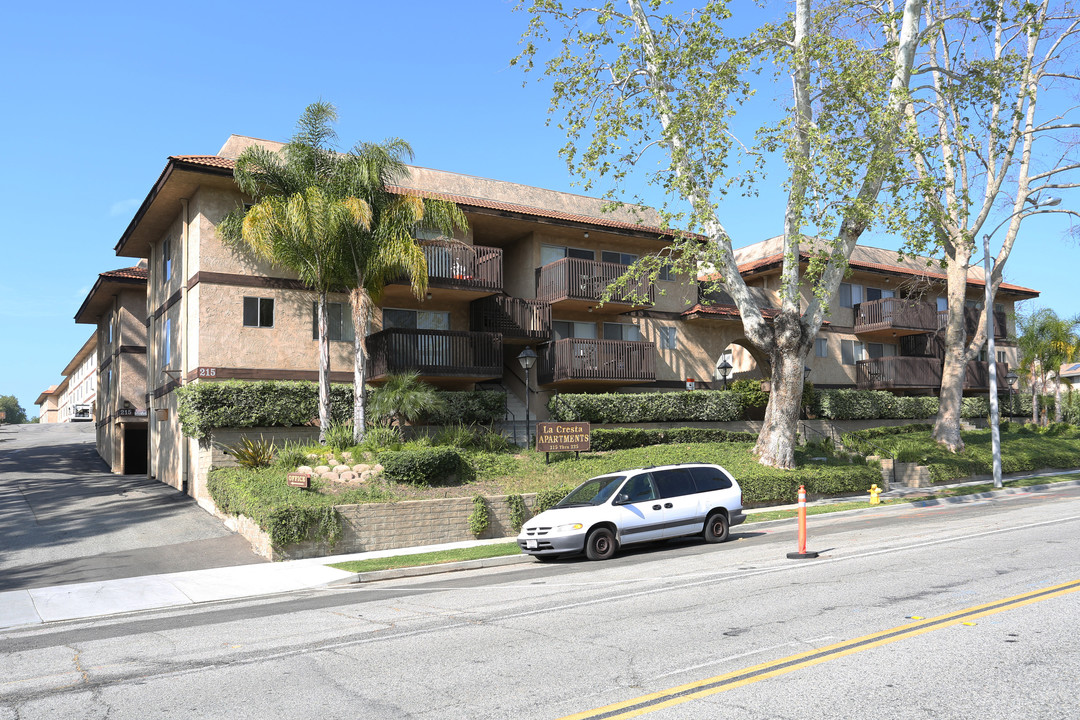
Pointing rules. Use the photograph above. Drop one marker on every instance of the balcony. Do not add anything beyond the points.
(456, 271)
(435, 354)
(586, 361)
(972, 319)
(576, 284)
(516, 319)
(897, 372)
(892, 317)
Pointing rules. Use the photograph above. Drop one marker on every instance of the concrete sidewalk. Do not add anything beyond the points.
(97, 599)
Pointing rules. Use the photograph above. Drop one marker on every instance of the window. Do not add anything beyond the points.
(258, 312)
(674, 483)
(551, 253)
(166, 258)
(563, 329)
(618, 257)
(339, 322)
(821, 347)
(415, 319)
(878, 293)
(942, 304)
(669, 338)
(1001, 356)
(850, 295)
(877, 350)
(666, 273)
(166, 344)
(999, 308)
(621, 331)
(710, 478)
(639, 489)
(851, 351)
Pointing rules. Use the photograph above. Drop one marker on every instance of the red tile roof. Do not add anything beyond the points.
(727, 311)
(131, 273)
(480, 202)
(899, 269)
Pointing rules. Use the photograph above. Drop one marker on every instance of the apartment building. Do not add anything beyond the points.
(78, 392)
(116, 306)
(530, 271)
(885, 330)
(48, 403)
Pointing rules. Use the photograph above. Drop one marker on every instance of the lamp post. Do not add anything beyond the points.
(806, 373)
(1011, 378)
(724, 369)
(995, 432)
(527, 358)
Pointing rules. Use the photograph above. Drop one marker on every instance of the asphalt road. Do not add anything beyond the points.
(950, 610)
(64, 518)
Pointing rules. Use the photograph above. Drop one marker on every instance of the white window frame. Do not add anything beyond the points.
(821, 347)
(258, 312)
(668, 338)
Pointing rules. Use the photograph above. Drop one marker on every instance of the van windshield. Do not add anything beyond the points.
(595, 491)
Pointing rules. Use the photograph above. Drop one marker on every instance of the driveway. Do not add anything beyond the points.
(64, 518)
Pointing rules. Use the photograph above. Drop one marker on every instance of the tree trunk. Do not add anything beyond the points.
(361, 308)
(1057, 399)
(951, 393)
(776, 441)
(324, 367)
(1034, 402)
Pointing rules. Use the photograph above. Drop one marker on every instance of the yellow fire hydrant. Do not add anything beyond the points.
(874, 492)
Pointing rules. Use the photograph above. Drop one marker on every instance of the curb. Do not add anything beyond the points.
(420, 570)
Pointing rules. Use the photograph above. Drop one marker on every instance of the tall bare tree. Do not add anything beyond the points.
(990, 123)
(631, 83)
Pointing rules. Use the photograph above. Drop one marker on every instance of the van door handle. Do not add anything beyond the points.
(655, 507)
(668, 505)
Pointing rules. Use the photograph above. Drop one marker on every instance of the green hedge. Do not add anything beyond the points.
(781, 487)
(203, 407)
(623, 438)
(875, 404)
(699, 405)
(481, 407)
(206, 406)
(426, 466)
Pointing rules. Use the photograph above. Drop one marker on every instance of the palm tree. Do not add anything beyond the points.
(1046, 343)
(385, 249)
(299, 218)
(404, 398)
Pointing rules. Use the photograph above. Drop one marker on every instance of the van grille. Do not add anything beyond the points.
(536, 531)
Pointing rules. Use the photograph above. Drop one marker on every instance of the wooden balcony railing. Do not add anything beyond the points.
(895, 314)
(435, 353)
(972, 319)
(586, 280)
(600, 360)
(514, 318)
(468, 267)
(897, 372)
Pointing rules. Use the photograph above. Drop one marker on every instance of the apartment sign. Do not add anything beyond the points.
(562, 436)
(299, 479)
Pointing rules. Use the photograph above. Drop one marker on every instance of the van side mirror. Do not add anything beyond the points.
(622, 499)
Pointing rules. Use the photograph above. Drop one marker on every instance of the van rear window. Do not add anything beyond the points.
(710, 478)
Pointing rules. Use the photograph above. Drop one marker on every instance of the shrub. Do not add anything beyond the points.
(469, 407)
(479, 519)
(287, 514)
(426, 466)
(518, 511)
(547, 499)
(205, 406)
(699, 405)
(623, 438)
(457, 435)
(252, 453)
(290, 456)
(340, 436)
(380, 438)
(750, 393)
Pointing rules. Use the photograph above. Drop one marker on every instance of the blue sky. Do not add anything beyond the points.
(96, 97)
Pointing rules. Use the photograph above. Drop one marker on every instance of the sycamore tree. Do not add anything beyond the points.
(673, 92)
(992, 121)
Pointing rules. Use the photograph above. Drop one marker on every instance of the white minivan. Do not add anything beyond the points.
(631, 506)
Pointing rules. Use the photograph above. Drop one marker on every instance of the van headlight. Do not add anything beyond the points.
(568, 528)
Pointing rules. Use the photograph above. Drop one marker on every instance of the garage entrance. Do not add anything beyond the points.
(135, 450)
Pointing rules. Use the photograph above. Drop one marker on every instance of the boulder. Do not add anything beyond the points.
(341, 469)
(305, 469)
(321, 469)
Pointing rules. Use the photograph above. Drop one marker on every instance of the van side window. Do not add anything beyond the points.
(640, 488)
(710, 478)
(674, 482)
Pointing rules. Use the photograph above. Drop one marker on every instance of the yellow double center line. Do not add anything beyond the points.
(720, 683)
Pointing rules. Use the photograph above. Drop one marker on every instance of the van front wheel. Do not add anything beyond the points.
(600, 545)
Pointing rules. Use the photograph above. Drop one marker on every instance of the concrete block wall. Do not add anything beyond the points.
(386, 526)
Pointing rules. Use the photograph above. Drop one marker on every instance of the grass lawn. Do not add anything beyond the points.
(439, 557)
